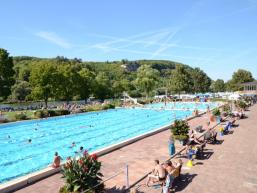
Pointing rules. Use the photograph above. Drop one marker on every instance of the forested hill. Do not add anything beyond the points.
(25, 78)
(161, 65)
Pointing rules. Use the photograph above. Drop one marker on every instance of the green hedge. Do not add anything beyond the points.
(20, 116)
(50, 113)
(108, 106)
(98, 107)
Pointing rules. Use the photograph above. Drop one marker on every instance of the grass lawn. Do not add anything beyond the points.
(219, 100)
(11, 115)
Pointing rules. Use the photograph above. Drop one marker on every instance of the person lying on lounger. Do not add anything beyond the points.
(157, 175)
(210, 136)
(193, 138)
(229, 125)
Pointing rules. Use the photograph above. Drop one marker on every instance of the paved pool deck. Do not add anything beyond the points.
(230, 166)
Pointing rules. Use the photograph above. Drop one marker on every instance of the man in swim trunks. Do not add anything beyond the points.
(158, 173)
(57, 160)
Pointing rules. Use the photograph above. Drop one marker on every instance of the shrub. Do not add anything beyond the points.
(51, 113)
(180, 129)
(241, 104)
(108, 106)
(82, 174)
(216, 112)
(41, 114)
(90, 108)
(226, 108)
(20, 116)
(98, 107)
(141, 101)
(58, 112)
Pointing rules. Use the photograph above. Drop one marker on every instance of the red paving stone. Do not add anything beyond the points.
(227, 170)
(232, 168)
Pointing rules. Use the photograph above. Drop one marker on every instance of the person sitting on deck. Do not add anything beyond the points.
(168, 166)
(195, 112)
(57, 160)
(210, 136)
(191, 151)
(157, 175)
(177, 165)
(167, 184)
(208, 111)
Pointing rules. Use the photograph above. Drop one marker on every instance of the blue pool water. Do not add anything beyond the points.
(93, 131)
(183, 105)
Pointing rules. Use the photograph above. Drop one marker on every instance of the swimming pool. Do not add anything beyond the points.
(93, 131)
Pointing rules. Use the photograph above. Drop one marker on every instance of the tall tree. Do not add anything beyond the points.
(68, 81)
(238, 77)
(43, 81)
(119, 86)
(147, 79)
(20, 90)
(102, 87)
(218, 86)
(86, 82)
(201, 82)
(180, 80)
(6, 73)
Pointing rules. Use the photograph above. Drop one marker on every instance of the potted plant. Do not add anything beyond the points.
(82, 174)
(242, 104)
(180, 130)
(226, 110)
(216, 113)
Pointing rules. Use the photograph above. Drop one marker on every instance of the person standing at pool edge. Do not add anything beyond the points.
(171, 145)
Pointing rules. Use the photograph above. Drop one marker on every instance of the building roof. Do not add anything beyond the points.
(250, 83)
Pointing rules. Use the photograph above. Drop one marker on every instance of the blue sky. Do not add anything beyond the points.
(219, 36)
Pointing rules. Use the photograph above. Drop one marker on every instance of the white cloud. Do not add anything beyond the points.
(53, 38)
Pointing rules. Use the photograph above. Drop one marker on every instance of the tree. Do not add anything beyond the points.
(86, 81)
(6, 73)
(180, 80)
(20, 91)
(147, 79)
(201, 82)
(102, 87)
(119, 86)
(239, 77)
(218, 86)
(68, 81)
(44, 81)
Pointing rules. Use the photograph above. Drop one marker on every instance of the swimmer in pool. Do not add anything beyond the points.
(80, 150)
(30, 140)
(73, 145)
